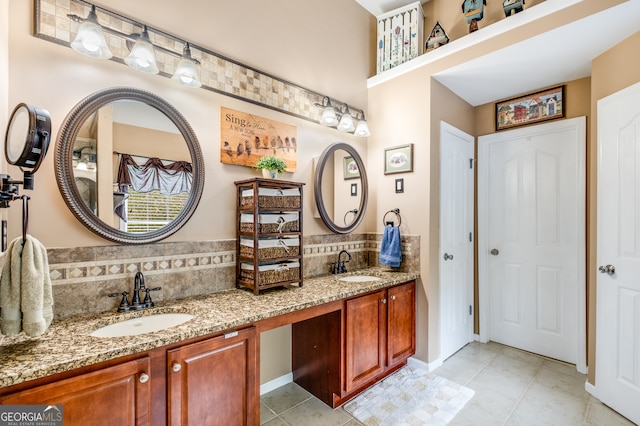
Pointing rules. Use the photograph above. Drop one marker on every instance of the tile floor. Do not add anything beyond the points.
(512, 388)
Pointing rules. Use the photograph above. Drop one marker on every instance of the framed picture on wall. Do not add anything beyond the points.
(398, 159)
(350, 168)
(534, 108)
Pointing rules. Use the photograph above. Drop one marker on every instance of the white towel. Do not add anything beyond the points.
(26, 300)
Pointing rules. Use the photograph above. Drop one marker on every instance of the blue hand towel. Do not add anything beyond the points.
(391, 248)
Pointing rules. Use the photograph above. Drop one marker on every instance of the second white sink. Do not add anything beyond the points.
(359, 278)
(142, 325)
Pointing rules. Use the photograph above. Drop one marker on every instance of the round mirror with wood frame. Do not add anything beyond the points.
(328, 164)
(67, 177)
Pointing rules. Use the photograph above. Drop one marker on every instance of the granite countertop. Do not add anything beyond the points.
(68, 345)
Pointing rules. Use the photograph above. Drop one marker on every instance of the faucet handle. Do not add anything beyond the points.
(147, 297)
(124, 303)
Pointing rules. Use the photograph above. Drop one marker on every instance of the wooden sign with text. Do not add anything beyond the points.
(244, 138)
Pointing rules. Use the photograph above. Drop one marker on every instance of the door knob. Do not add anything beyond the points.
(495, 252)
(609, 269)
(448, 256)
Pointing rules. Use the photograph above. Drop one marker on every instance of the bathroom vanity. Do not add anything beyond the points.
(346, 336)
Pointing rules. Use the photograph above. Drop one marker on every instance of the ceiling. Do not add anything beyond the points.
(563, 54)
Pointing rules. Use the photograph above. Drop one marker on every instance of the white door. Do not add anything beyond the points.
(618, 293)
(456, 239)
(532, 237)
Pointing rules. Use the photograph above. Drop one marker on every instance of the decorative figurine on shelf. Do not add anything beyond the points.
(438, 37)
(515, 5)
(473, 12)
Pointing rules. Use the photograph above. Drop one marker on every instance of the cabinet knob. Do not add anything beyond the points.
(383, 300)
(176, 367)
(144, 378)
(393, 297)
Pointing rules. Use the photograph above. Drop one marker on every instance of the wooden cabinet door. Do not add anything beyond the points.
(365, 338)
(117, 395)
(401, 323)
(214, 382)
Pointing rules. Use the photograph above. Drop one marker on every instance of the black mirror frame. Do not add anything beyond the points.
(64, 167)
(317, 188)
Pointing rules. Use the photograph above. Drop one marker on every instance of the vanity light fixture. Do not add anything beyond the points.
(346, 121)
(342, 119)
(186, 72)
(142, 56)
(90, 39)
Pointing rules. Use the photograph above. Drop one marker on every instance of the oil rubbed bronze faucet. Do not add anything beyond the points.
(339, 267)
(136, 304)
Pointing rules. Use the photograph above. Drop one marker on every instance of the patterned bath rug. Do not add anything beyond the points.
(411, 396)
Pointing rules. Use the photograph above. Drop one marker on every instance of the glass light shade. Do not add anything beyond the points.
(362, 129)
(142, 56)
(90, 39)
(187, 73)
(346, 123)
(329, 117)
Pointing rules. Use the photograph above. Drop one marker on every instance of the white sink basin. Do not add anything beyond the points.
(142, 325)
(359, 278)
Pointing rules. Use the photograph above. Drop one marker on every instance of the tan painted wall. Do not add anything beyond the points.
(400, 113)
(612, 71)
(452, 20)
(56, 78)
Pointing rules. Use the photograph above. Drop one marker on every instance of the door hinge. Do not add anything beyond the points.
(471, 163)
(470, 310)
(470, 236)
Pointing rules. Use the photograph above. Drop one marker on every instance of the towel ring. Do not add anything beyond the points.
(355, 214)
(396, 212)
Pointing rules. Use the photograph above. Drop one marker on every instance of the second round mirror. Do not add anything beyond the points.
(340, 188)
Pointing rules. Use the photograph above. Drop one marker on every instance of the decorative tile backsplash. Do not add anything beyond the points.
(187, 269)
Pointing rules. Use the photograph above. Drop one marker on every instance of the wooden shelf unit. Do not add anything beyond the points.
(275, 199)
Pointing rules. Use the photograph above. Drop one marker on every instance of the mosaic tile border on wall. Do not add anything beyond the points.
(217, 72)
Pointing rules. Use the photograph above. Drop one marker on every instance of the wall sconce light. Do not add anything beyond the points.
(142, 57)
(90, 41)
(343, 120)
(84, 160)
(186, 71)
(346, 121)
(329, 116)
(362, 129)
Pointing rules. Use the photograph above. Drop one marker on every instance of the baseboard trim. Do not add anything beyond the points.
(429, 366)
(276, 383)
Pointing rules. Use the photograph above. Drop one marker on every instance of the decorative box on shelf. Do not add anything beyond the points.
(269, 228)
(400, 36)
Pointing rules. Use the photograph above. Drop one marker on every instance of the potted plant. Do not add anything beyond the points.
(271, 166)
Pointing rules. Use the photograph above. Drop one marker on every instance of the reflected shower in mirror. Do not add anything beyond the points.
(340, 188)
(129, 166)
